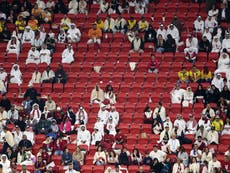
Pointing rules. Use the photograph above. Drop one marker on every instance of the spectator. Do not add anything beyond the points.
(178, 166)
(177, 23)
(132, 23)
(36, 77)
(214, 163)
(120, 24)
(62, 36)
(225, 42)
(83, 136)
(78, 156)
(94, 35)
(83, 7)
(204, 45)
(206, 75)
(183, 75)
(191, 49)
(195, 74)
(65, 125)
(31, 92)
(24, 169)
(218, 123)
(148, 113)
(37, 41)
(50, 41)
(223, 62)
(66, 157)
(68, 55)
(13, 46)
(173, 31)
(33, 23)
(25, 143)
(99, 156)
(26, 104)
(226, 128)
(12, 114)
(170, 44)
(218, 82)
(213, 137)
(3, 75)
(73, 7)
(206, 155)
(109, 24)
(35, 113)
(110, 94)
(50, 4)
(96, 137)
(28, 35)
(150, 35)
(199, 25)
(213, 12)
(81, 116)
(65, 23)
(143, 25)
(159, 113)
(161, 31)
(173, 144)
(194, 166)
(103, 7)
(177, 94)
(114, 114)
(156, 127)
(15, 75)
(48, 75)
(60, 75)
(158, 154)
(183, 156)
(124, 157)
(112, 158)
(45, 55)
(97, 94)
(188, 97)
(137, 44)
(191, 125)
(211, 23)
(136, 157)
(73, 33)
(216, 45)
(160, 44)
(33, 56)
(208, 34)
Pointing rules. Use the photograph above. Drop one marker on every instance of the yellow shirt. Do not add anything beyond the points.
(195, 75)
(183, 76)
(206, 76)
(143, 25)
(131, 24)
(100, 25)
(218, 124)
(1, 26)
(20, 25)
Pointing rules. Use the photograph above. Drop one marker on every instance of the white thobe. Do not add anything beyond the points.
(219, 83)
(67, 56)
(176, 95)
(173, 144)
(74, 34)
(45, 56)
(199, 26)
(115, 116)
(104, 115)
(96, 136)
(83, 136)
(226, 44)
(28, 37)
(33, 57)
(174, 33)
(181, 124)
(162, 32)
(162, 113)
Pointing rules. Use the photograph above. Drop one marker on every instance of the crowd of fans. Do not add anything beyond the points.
(62, 127)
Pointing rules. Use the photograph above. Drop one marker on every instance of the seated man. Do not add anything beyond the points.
(94, 35)
(137, 44)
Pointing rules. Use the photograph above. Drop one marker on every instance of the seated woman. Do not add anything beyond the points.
(65, 126)
(136, 157)
(160, 44)
(112, 158)
(170, 44)
(148, 115)
(199, 93)
(99, 156)
(206, 75)
(78, 158)
(109, 94)
(188, 96)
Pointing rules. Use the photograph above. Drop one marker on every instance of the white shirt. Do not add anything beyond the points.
(211, 24)
(178, 168)
(180, 123)
(28, 37)
(162, 32)
(173, 144)
(199, 25)
(74, 34)
(226, 44)
(212, 165)
(104, 115)
(115, 116)
(83, 136)
(176, 95)
(33, 57)
(100, 126)
(96, 136)
(174, 33)
(68, 56)
(73, 5)
(160, 155)
(208, 35)
(219, 83)
(45, 56)
(213, 137)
